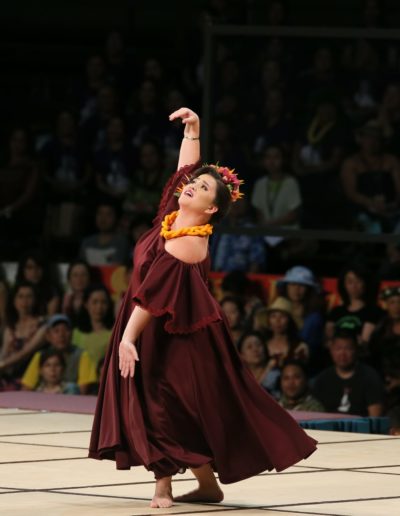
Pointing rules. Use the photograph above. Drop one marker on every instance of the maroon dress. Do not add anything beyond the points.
(191, 401)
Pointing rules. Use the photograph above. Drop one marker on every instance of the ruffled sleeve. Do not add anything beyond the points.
(177, 291)
(169, 201)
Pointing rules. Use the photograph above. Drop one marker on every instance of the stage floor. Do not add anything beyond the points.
(44, 470)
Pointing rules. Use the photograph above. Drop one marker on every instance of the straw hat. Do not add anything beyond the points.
(281, 304)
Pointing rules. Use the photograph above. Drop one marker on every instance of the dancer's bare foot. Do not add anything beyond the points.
(202, 495)
(208, 490)
(163, 496)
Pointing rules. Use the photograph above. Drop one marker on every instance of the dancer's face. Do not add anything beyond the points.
(199, 195)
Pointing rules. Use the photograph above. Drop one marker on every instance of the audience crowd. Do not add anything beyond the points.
(343, 359)
(314, 130)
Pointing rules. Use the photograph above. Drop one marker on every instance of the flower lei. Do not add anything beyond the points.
(168, 233)
(229, 178)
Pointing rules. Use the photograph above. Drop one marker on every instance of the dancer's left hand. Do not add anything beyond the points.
(127, 358)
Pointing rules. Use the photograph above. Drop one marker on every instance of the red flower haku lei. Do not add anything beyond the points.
(229, 178)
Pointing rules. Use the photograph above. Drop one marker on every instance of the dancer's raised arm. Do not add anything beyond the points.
(190, 147)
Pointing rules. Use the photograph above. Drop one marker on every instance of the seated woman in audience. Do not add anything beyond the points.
(358, 312)
(95, 322)
(388, 328)
(20, 213)
(295, 393)
(371, 182)
(33, 267)
(51, 370)
(253, 352)
(300, 287)
(234, 311)
(113, 162)
(150, 179)
(79, 278)
(316, 160)
(22, 322)
(283, 341)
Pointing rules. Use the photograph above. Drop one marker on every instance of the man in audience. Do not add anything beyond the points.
(349, 386)
(295, 394)
(79, 368)
(107, 246)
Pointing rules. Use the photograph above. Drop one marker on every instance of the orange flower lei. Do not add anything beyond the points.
(168, 233)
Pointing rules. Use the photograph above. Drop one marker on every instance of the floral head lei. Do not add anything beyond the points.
(229, 178)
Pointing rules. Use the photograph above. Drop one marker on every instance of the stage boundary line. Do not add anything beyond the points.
(45, 445)
(47, 433)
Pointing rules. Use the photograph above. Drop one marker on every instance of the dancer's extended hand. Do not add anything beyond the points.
(127, 358)
(189, 118)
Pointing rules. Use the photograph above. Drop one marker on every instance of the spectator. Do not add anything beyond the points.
(51, 372)
(148, 180)
(64, 161)
(79, 277)
(93, 331)
(95, 79)
(276, 196)
(230, 252)
(349, 386)
(388, 328)
(22, 322)
(389, 117)
(34, 268)
(107, 246)
(295, 394)
(234, 311)
(66, 172)
(144, 113)
(275, 128)
(316, 160)
(317, 82)
(372, 14)
(300, 287)
(118, 69)
(283, 341)
(391, 373)
(79, 368)
(371, 182)
(19, 214)
(390, 266)
(94, 128)
(113, 162)
(238, 285)
(357, 312)
(253, 352)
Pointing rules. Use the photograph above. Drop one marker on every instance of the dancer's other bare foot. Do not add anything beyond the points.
(163, 496)
(208, 490)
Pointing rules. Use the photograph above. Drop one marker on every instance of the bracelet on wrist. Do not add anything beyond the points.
(191, 137)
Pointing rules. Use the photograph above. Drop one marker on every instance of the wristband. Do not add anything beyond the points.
(192, 138)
